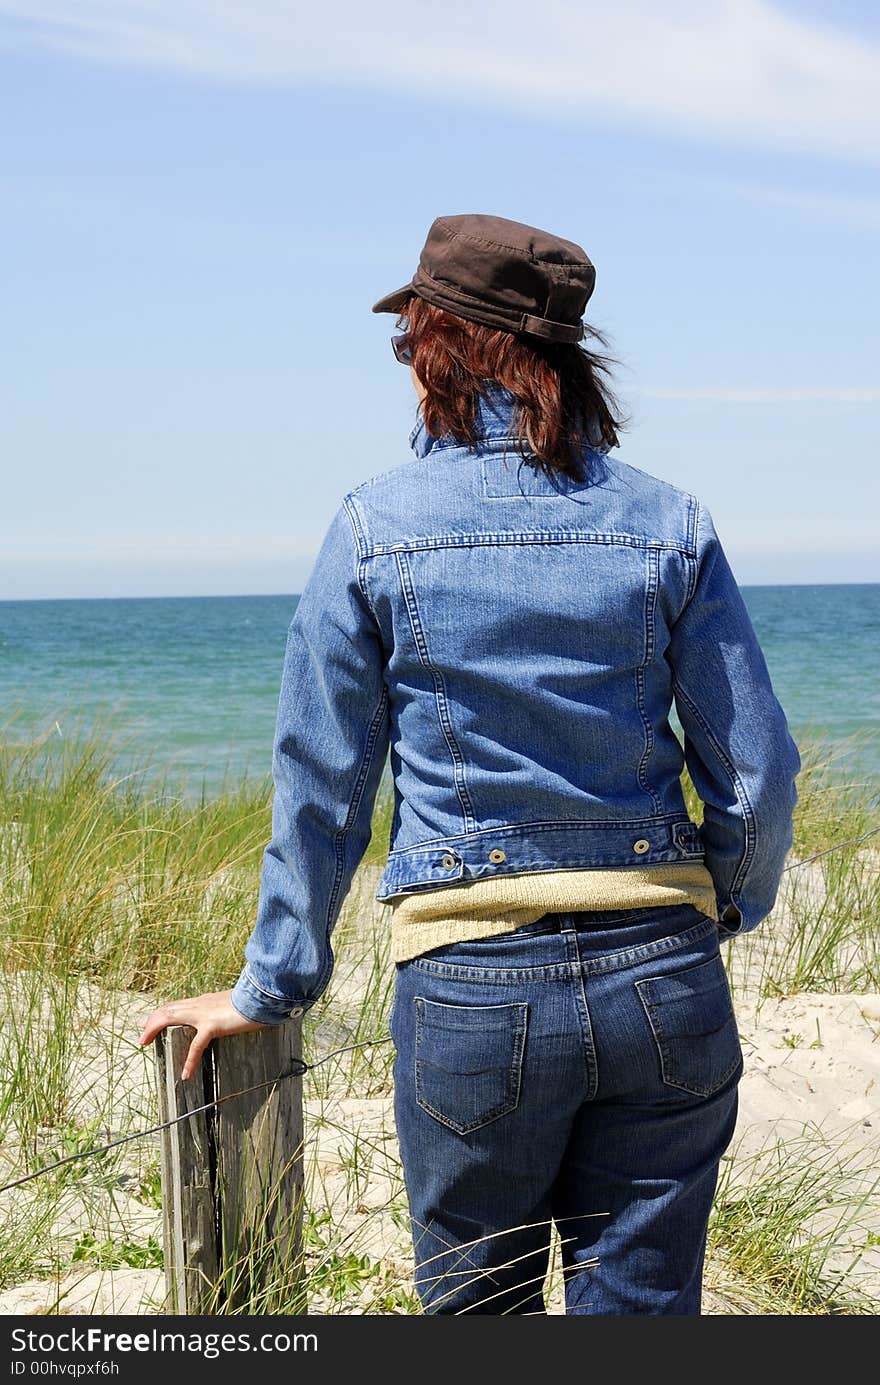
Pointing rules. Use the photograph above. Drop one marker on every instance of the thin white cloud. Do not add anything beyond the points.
(740, 69)
(767, 394)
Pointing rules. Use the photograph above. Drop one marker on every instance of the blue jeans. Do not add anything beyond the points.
(582, 1070)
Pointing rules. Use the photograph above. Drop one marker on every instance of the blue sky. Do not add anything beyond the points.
(202, 201)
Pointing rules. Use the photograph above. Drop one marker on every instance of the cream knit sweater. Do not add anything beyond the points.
(423, 920)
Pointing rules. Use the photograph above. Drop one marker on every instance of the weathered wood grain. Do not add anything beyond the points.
(188, 1205)
(232, 1177)
(260, 1166)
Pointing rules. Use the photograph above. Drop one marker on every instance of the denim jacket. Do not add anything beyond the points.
(515, 642)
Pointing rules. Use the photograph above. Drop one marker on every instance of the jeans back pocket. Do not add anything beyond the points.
(692, 1018)
(468, 1061)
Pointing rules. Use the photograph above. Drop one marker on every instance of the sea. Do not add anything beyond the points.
(187, 687)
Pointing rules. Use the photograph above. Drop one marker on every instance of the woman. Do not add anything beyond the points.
(511, 613)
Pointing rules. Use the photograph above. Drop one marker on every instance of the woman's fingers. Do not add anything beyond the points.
(194, 1053)
(180, 1012)
(209, 1015)
(190, 1013)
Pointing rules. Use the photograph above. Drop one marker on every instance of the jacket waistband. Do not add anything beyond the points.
(540, 846)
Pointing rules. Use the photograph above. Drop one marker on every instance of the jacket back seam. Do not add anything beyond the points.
(693, 565)
(496, 538)
(748, 811)
(692, 522)
(440, 697)
(357, 524)
(652, 583)
(361, 545)
(556, 825)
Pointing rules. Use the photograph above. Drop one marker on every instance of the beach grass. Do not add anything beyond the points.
(789, 1226)
(117, 892)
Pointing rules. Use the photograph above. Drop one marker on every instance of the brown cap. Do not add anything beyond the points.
(501, 273)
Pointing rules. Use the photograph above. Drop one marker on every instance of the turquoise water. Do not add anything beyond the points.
(192, 682)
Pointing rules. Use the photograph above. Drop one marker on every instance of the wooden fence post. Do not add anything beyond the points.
(188, 1209)
(232, 1176)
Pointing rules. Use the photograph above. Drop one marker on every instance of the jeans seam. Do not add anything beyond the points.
(612, 961)
(585, 1021)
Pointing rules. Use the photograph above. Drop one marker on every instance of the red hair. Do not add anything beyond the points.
(563, 404)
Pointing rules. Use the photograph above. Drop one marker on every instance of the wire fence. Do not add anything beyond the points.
(853, 841)
(299, 1069)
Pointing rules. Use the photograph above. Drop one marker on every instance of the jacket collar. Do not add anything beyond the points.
(494, 410)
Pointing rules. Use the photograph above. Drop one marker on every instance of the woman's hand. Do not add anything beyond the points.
(209, 1015)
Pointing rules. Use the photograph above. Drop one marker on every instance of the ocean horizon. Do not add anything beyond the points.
(190, 683)
(294, 596)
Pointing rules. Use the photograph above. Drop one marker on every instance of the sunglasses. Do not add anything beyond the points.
(400, 347)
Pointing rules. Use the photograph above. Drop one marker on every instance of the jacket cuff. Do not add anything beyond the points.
(258, 1005)
(730, 919)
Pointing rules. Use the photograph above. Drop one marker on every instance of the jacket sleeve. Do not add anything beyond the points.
(329, 750)
(738, 748)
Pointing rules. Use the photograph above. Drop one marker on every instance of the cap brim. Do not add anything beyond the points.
(393, 302)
